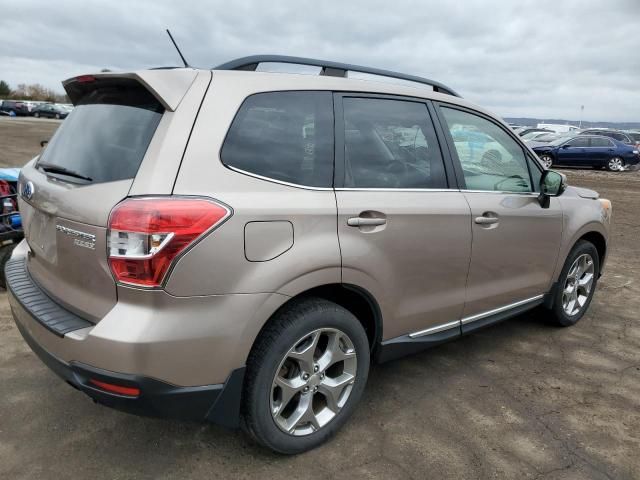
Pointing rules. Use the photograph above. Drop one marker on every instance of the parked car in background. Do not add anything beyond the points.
(528, 130)
(543, 138)
(18, 107)
(50, 110)
(611, 133)
(589, 151)
(537, 134)
(241, 254)
(559, 127)
(634, 135)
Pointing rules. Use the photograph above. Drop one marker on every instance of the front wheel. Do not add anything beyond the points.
(305, 376)
(615, 164)
(547, 161)
(577, 284)
(37, 115)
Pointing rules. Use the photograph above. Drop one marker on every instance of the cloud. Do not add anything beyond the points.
(525, 58)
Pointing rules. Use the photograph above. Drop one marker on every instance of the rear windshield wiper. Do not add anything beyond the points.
(51, 168)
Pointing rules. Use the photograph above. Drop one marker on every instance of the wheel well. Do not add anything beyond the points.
(599, 242)
(355, 299)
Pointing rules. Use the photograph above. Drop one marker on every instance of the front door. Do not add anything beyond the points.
(404, 235)
(575, 152)
(515, 241)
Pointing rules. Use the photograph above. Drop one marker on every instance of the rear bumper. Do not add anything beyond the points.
(185, 355)
(216, 403)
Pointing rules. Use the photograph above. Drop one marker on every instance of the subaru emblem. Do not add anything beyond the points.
(27, 190)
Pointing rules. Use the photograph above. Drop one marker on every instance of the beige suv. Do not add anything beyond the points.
(237, 246)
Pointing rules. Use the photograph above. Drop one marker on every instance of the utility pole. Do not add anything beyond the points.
(581, 113)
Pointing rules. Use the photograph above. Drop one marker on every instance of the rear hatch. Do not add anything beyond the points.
(68, 192)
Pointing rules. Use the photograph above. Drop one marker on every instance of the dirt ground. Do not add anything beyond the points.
(20, 138)
(523, 399)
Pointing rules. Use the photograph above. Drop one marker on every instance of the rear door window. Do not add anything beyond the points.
(107, 135)
(601, 142)
(284, 136)
(390, 144)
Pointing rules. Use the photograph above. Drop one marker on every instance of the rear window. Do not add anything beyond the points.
(285, 136)
(106, 136)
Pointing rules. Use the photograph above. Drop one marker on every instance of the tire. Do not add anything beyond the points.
(37, 115)
(57, 116)
(5, 255)
(563, 315)
(615, 164)
(547, 161)
(293, 330)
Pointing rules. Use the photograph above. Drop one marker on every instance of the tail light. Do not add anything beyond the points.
(146, 235)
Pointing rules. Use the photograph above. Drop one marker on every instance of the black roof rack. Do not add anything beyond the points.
(334, 69)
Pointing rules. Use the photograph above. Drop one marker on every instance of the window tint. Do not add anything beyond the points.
(390, 144)
(286, 136)
(601, 142)
(579, 142)
(106, 136)
(490, 158)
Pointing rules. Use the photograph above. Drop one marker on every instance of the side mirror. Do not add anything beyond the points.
(43, 143)
(566, 145)
(552, 184)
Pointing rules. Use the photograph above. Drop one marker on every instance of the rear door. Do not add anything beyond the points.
(68, 192)
(405, 235)
(602, 148)
(515, 240)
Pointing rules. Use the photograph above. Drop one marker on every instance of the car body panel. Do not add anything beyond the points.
(420, 269)
(416, 264)
(515, 258)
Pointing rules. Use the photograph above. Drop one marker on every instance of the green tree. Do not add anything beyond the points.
(5, 90)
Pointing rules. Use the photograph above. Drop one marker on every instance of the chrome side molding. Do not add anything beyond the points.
(466, 320)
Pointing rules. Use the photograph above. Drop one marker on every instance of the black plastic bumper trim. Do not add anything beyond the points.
(42, 308)
(219, 403)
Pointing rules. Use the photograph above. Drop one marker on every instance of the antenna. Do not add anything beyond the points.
(178, 49)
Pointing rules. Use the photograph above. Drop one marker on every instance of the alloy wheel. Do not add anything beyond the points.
(615, 164)
(547, 161)
(578, 284)
(313, 382)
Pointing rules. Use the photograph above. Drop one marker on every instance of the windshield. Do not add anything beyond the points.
(106, 136)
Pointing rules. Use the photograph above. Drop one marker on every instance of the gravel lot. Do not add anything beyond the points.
(523, 399)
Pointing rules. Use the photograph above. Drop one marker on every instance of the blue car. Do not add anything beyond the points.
(589, 151)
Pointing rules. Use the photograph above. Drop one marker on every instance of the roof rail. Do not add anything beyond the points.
(334, 69)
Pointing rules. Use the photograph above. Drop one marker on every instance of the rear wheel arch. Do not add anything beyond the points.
(355, 299)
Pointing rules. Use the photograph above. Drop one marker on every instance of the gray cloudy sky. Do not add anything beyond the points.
(532, 58)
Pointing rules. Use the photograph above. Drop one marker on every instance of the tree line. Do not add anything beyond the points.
(33, 91)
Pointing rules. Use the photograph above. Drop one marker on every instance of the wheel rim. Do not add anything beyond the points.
(547, 161)
(615, 164)
(577, 286)
(313, 382)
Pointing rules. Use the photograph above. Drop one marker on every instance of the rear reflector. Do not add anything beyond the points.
(146, 235)
(119, 389)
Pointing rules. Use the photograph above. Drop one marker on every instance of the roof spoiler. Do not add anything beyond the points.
(334, 69)
(168, 86)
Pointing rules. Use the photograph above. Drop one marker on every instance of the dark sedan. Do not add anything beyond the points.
(49, 110)
(589, 151)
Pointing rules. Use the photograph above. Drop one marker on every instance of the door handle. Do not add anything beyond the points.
(365, 222)
(486, 220)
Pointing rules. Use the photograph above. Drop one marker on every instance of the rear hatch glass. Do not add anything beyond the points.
(106, 136)
(85, 170)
